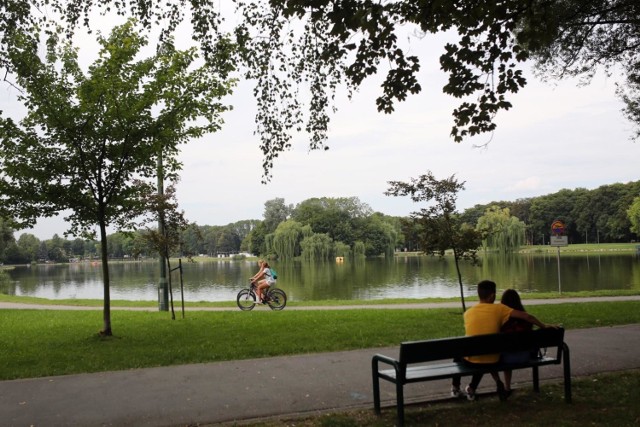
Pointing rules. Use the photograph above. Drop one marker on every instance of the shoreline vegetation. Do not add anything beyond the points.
(580, 248)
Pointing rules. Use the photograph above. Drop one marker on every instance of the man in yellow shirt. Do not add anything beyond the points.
(487, 318)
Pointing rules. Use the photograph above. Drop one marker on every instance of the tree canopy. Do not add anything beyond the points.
(89, 143)
(634, 216)
(296, 50)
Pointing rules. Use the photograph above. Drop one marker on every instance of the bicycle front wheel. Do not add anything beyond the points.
(246, 300)
(277, 299)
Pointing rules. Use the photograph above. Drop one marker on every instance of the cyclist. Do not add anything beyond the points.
(262, 279)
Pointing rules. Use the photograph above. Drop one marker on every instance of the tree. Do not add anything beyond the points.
(379, 237)
(169, 237)
(275, 212)
(317, 247)
(228, 240)
(439, 224)
(634, 216)
(89, 141)
(500, 230)
(287, 238)
(29, 245)
(256, 239)
(55, 249)
(343, 218)
(6, 237)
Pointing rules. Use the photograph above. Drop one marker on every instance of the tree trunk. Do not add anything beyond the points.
(455, 257)
(106, 313)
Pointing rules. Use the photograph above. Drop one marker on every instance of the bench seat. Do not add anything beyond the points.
(431, 360)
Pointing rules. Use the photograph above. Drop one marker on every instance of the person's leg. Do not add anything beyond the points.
(507, 379)
(259, 290)
(455, 382)
(475, 381)
(455, 386)
(262, 285)
(470, 390)
(502, 393)
(265, 289)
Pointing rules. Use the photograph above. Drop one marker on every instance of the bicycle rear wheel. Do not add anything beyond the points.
(246, 300)
(277, 299)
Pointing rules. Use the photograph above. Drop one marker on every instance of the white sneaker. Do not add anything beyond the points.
(471, 393)
(455, 392)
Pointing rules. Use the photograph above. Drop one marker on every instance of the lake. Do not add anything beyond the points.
(365, 279)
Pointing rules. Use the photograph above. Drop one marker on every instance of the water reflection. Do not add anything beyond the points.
(402, 277)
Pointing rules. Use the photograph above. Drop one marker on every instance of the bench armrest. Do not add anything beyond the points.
(384, 359)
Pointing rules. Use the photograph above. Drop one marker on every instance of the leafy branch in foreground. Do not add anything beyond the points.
(301, 53)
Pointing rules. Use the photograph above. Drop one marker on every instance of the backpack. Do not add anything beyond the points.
(274, 274)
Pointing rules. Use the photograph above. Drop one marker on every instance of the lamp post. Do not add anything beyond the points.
(163, 287)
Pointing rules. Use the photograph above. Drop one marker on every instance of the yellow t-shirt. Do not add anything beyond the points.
(485, 318)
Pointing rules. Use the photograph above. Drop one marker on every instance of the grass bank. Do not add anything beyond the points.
(576, 248)
(57, 342)
(583, 247)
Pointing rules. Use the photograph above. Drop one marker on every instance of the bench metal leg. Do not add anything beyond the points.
(376, 387)
(400, 403)
(567, 373)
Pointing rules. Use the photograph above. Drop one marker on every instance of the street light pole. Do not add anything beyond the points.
(163, 287)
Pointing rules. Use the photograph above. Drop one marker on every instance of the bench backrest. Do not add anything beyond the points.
(457, 347)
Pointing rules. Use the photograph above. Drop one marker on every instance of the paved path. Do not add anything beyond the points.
(224, 392)
(418, 305)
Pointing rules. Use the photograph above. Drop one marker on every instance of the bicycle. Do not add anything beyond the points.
(275, 298)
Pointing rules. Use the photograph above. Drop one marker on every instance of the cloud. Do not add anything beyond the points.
(526, 185)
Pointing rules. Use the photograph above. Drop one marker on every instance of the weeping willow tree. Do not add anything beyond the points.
(359, 249)
(317, 247)
(285, 243)
(341, 249)
(500, 230)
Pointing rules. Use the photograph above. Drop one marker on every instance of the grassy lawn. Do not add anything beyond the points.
(39, 343)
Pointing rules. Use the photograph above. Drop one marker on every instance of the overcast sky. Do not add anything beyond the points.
(556, 136)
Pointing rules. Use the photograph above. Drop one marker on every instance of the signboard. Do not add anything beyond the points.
(557, 228)
(559, 241)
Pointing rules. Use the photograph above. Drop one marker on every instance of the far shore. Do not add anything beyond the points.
(577, 249)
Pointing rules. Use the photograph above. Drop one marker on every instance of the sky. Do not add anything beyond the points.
(557, 135)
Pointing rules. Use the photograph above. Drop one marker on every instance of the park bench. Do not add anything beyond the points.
(423, 360)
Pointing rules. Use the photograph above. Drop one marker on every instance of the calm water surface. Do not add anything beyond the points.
(402, 277)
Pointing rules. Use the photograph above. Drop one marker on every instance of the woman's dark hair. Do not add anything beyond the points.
(511, 298)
